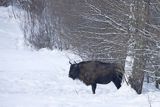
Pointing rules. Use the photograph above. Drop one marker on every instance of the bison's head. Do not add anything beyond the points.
(74, 71)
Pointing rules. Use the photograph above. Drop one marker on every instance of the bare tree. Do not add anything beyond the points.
(5, 3)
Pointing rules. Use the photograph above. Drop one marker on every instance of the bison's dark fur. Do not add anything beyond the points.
(93, 72)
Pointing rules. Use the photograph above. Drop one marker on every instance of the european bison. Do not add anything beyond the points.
(93, 72)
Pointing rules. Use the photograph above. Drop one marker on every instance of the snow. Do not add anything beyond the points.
(31, 78)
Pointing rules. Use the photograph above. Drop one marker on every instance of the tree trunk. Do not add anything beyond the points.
(138, 23)
(137, 77)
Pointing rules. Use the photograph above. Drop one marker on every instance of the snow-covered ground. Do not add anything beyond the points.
(40, 78)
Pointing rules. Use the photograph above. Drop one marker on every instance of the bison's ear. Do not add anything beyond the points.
(70, 63)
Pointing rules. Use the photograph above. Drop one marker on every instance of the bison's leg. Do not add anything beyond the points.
(94, 87)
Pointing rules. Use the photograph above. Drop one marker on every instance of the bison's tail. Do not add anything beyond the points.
(117, 79)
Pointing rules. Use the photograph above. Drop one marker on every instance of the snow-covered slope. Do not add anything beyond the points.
(10, 33)
(40, 78)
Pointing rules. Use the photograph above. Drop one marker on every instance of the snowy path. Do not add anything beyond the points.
(40, 79)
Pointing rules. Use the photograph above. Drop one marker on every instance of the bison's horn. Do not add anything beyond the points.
(70, 62)
(75, 62)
